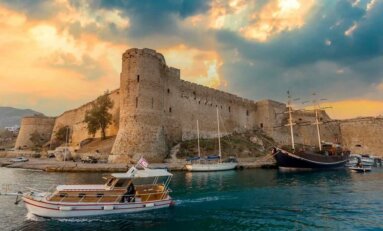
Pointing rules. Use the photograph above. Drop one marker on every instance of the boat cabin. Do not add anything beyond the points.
(134, 186)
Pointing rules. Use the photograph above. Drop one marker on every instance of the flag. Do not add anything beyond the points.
(143, 162)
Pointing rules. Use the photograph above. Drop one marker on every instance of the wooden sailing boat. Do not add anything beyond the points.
(213, 162)
(329, 156)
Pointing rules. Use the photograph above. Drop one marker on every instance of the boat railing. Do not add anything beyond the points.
(119, 197)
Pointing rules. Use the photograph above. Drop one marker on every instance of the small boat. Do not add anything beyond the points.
(329, 155)
(122, 193)
(360, 169)
(19, 159)
(365, 159)
(212, 162)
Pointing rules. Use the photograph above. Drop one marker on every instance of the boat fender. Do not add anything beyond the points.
(108, 207)
(149, 205)
(65, 208)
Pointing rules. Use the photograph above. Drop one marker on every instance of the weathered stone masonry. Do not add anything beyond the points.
(154, 109)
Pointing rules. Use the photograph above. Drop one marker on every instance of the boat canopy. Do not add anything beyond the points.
(212, 157)
(193, 158)
(142, 173)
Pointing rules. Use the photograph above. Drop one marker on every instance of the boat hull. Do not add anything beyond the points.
(211, 167)
(360, 170)
(288, 161)
(43, 208)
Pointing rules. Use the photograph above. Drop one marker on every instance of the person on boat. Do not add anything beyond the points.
(359, 164)
(130, 192)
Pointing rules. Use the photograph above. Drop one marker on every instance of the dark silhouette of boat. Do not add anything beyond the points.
(326, 156)
(329, 158)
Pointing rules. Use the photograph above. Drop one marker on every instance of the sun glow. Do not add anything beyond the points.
(287, 5)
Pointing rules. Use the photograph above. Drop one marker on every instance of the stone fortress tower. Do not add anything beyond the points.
(141, 130)
(158, 109)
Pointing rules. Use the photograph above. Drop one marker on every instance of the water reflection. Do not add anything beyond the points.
(237, 200)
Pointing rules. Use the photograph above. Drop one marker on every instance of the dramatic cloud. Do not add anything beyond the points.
(66, 52)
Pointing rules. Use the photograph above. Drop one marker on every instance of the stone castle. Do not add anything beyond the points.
(154, 109)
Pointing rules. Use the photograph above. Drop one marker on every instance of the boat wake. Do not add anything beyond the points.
(203, 199)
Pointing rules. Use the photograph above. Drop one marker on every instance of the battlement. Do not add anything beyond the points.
(134, 52)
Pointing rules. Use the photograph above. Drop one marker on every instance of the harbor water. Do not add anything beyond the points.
(259, 199)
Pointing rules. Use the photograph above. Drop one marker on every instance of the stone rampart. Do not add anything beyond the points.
(363, 135)
(74, 119)
(41, 124)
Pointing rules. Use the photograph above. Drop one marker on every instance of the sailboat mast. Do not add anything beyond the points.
(290, 120)
(199, 151)
(219, 136)
(318, 131)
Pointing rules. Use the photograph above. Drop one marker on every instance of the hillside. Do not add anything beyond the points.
(10, 116)
(243, 145)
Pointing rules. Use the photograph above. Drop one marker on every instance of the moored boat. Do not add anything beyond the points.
(360, 169)
(328, 155)
(308, 160)
(212, 162)
(122, 193)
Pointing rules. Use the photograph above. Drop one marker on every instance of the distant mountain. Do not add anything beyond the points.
(10, 116)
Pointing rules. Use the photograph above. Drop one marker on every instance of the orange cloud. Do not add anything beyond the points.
(199, 66)
(277, 16)
(355, 108)
(240, 15)
(44, 63)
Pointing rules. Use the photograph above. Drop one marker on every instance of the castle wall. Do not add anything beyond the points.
(363, 135)
(154, 109)
(29, 125)
(158, 109)
(74, 119)
(200, 103)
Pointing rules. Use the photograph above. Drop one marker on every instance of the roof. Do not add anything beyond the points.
(145, 173)
(82, 187)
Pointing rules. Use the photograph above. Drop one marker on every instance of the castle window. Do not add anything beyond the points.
(98, 195)
(152, 102)
(300, 119)
(320, 118)
(199, 102)
(136, 102)
(195, 95)
(221, 106)
(261, 125)
(247, 112)
(170, 109)
(63, 195)
(81, 195)
(138, 78)
(168, 91)
(229, 109)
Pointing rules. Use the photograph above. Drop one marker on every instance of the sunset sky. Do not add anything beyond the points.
(59, 54)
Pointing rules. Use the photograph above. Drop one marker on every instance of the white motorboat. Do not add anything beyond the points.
(365, 159)
(210, 163)
(122, 193)
(360, 169)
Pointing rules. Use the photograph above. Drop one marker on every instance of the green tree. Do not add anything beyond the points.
(98, 117)
(62, 133)
(38, 139)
